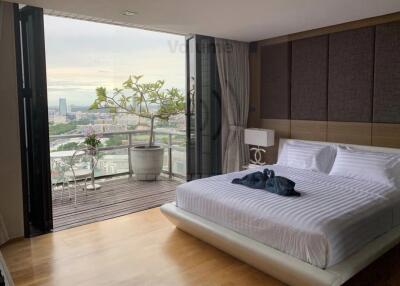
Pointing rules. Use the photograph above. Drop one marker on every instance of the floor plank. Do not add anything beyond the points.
(115, 198)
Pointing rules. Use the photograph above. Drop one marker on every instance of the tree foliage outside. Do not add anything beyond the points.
(68, 146)
(115, 140)
(62, 128)
(146, 100)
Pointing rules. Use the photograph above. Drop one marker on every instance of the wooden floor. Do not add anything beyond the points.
(115, 198)
(145, 249)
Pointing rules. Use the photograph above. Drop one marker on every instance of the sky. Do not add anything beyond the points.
(82, 55)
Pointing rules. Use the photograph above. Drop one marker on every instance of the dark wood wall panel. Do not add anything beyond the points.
(350, 84)
(309, 79)
(275, 81)
(387, 74)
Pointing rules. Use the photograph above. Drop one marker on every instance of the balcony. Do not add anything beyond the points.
(120, 193)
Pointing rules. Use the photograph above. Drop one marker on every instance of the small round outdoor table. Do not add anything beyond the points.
(68, 154)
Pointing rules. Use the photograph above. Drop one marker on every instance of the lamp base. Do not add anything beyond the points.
(258, 158)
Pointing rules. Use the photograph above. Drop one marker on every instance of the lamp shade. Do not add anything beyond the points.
(259, 137)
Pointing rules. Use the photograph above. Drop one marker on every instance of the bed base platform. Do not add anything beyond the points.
(282, 266)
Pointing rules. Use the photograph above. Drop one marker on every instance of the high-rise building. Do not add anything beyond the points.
(62, 106)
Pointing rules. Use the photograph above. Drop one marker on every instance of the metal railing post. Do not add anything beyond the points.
(129, 154)
(170, 155)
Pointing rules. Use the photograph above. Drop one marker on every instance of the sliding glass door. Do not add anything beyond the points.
(203, 108)
(203, 115)
(33, 119)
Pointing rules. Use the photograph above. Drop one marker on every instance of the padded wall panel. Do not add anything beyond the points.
(309, 79)
(350, 83)
(255, 72)
(387, 74)
(275, 81)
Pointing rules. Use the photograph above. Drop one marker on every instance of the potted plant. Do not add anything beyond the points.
(92, 141)
(146, 100)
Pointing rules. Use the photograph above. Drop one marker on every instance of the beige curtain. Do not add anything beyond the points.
(233, 69)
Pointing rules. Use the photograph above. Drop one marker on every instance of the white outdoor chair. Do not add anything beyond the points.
(58, 169)
(81, 167)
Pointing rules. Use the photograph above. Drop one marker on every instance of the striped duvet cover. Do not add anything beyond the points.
(333, 218)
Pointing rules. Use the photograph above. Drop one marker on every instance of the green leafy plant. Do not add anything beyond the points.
(146, 100)
(92, 139)
(68, 146)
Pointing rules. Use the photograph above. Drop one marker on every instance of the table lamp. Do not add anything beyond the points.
(260, 138)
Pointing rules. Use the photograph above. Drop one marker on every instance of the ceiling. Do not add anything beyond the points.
(244, 20)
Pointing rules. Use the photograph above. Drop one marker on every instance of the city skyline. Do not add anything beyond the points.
(83, 55)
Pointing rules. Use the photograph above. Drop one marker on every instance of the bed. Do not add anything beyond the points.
(337, 227)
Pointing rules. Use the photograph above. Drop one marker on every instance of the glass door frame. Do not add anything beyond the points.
(33, 119)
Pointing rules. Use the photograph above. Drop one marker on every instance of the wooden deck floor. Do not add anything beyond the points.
(116, 197)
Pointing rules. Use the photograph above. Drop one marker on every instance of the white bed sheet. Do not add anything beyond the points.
(333, 217)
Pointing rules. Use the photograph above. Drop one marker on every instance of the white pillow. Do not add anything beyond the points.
(308, 156)
(369, 166)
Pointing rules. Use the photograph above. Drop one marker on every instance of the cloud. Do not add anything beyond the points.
(83, 55)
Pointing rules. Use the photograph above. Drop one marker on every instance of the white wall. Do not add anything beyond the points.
(11, 206)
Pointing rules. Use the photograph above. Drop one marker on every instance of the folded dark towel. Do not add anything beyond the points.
(280, 185)
(268, 181)
(254, 180)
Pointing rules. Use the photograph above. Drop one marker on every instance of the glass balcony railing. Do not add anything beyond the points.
(114, 153)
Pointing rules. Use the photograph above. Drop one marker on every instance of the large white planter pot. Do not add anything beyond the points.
(147, 162)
